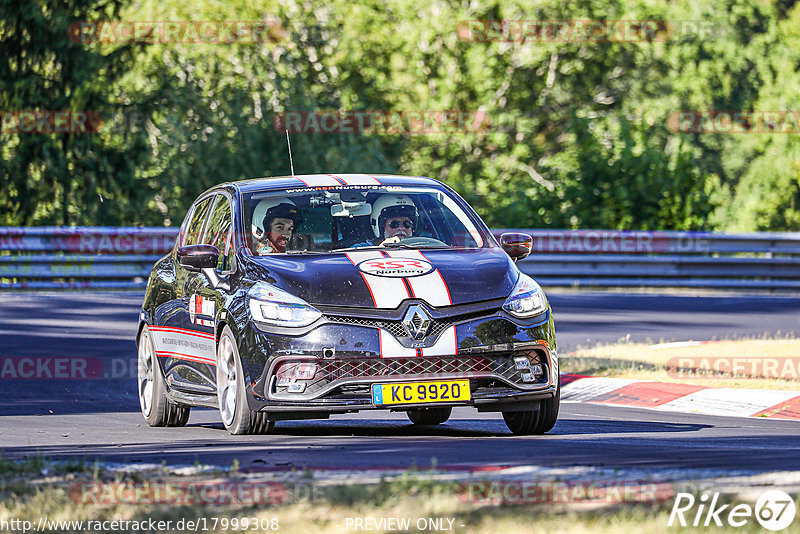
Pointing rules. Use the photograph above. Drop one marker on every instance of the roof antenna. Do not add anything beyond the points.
(289, 143)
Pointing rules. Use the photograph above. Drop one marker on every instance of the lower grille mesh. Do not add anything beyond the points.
(366, 369)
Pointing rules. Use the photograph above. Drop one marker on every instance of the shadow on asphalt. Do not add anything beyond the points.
(466, 428)
(286, 453)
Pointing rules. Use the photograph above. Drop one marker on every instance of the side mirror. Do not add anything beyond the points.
(518, 246)
(198, 257)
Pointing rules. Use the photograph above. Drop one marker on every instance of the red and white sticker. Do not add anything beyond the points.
(404, 279)
(184, 344)
(395, 267)
(386, 292)
(199, 305)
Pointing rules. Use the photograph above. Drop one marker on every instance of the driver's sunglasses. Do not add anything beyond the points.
(406, 224)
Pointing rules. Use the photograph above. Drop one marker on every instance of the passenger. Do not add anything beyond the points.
(273, 231)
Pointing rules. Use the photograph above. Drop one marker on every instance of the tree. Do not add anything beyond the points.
(69, 177)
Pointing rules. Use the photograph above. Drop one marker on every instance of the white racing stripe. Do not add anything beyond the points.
(319, 180)
(429, 287)
(391, 348)
(184, 344)
(390, 292)
(386, 292)
(446, 345)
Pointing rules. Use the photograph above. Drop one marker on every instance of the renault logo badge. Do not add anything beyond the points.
(416, 322)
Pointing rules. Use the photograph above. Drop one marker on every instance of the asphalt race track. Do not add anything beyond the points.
(99, 418)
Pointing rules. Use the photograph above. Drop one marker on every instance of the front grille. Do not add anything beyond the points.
(333, 373)
(397, 329)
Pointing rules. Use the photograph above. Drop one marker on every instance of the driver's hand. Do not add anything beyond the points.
(390, 240)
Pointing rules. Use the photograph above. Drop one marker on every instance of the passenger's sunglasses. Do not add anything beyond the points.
(406, 224)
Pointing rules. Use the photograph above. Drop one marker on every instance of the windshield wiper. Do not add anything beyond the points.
(404, 245)
(390, 245)
(347, 249)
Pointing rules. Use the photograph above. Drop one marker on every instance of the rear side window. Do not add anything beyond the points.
(193, 232)
(218, 231)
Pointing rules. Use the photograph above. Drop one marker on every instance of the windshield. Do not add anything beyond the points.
(344, 218)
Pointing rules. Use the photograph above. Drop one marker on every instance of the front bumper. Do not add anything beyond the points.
(350, 353)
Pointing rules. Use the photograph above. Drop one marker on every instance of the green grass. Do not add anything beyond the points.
(412, 495)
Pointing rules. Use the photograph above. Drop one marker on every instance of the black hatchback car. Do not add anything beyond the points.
(305, 296)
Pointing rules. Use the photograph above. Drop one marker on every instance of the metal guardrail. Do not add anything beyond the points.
(764, 261)
(115, 258)
(80, 257)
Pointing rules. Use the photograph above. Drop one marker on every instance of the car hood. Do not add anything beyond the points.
(383, 279)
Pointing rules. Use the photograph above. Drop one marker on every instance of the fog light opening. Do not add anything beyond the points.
(297, 387)
(534, 373)
(522, 363)
(292, 375)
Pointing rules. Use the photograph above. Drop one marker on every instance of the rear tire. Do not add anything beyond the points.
(429, 416)
(156, 407)
(236, 414)
(535, 422)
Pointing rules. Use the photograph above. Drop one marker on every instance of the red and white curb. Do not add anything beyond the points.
(675, 397)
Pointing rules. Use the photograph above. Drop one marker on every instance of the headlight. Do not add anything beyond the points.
(527, 299)
(271, 305)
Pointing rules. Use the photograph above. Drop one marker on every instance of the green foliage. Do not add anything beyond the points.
(58, 178)
(578, 133)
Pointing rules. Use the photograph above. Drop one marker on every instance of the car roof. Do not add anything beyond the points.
(334, 180)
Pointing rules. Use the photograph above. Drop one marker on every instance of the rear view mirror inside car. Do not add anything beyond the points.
(351, 209)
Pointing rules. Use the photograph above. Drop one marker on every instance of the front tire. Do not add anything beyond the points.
(429, 416)
(536, 421)
(236, 414)
(156, 408)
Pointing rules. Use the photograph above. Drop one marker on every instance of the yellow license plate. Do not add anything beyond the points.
(420, 392)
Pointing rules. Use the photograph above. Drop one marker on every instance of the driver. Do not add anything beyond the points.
(394, 218)
(274, 222)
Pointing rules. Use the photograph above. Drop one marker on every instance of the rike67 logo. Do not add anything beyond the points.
(774, 510)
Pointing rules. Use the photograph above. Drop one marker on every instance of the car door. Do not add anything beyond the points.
(185, 347)
(203, 298)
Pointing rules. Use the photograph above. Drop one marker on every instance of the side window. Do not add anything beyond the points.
(196, 224)
(219, 231)
(179, 242)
